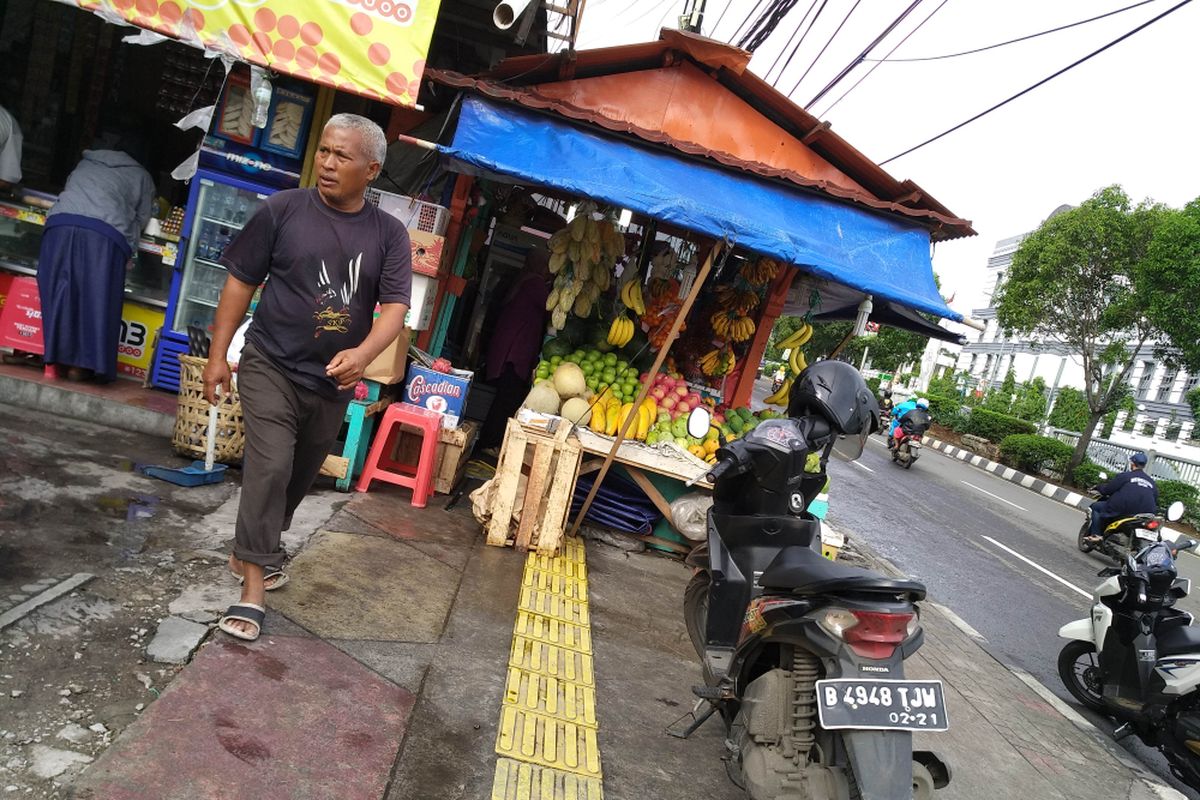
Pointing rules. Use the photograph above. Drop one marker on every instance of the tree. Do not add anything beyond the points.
(1193, 400)
(1000, 400)
(1173, 263)
(1083, 280)
(1070, 410)
(1030, 402)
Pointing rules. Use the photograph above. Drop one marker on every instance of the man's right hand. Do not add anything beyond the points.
(216, 373)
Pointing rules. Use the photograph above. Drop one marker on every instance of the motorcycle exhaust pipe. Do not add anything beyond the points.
(508, 12)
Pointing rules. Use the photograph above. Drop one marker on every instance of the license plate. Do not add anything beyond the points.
(881, 705)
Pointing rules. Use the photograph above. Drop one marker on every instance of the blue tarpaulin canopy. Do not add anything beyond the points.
(869, 251)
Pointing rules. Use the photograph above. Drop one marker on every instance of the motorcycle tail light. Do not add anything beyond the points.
(870, 634)
(1152, 524)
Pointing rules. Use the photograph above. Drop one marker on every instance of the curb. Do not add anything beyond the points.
(1044, 488)
(1139, 770)
(84, 407)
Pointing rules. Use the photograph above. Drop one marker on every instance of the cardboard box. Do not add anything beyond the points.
(443, 393)
(420, 305)
(388, 366)
(454, 450)
(426, 252)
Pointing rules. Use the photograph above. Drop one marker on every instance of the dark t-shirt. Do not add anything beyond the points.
(327, 270)
(1132, 492)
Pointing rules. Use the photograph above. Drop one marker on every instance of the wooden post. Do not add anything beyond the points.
(458, 210)
(842, 344)
(773, 307)
(680, 316)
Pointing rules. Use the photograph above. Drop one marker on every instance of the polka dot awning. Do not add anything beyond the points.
(374, 48)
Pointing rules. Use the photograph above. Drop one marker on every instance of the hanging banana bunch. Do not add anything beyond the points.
(796, 362)
(583, 254)
(760, 272)
(718, 363)
(631, 295)
(620, 331)
(732, 325)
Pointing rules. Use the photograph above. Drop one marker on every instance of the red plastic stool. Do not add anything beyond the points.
(379, 465)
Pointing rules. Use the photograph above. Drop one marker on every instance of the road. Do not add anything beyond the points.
(1001, 557)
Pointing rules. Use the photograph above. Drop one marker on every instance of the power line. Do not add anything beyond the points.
(719, 18)
(800, 43)
(1011, 41)
(767, 24)
(752, 15)
(1026, 91)
(859, 58)
(785, 48)
(876, 65)
(845, 19)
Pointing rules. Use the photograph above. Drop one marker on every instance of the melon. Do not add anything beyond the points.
(576, 409)
(542, 398)
(569, 380)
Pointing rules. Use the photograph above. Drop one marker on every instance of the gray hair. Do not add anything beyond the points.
(373, 140)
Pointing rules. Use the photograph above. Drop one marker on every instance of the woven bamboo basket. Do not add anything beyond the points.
(191, 417)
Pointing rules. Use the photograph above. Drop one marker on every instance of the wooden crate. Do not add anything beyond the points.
(552, 465)
(454, 450)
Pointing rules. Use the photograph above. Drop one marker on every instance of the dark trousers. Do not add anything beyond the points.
(511, 390)
(1100, 517)
(289, 431)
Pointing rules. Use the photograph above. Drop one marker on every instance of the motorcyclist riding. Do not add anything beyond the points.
(885, 401)
(1131, 492)
(899, 411)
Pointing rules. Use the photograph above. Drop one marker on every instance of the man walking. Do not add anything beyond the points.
(330, 258)
(1131, 492)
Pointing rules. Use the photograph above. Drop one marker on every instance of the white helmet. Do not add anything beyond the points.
(922, 402)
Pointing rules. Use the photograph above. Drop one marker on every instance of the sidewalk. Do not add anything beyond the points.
(384, 668)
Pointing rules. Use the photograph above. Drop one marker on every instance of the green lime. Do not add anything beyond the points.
(555, 361)
(609, 376)
(622, 366)
(592, 382)
(610, 359)
(588, 368)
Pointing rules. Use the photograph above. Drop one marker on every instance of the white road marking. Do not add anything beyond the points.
(1039, 568)
(862, 466)
(996, 496)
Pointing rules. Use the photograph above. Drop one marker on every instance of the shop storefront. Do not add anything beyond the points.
(79, 81)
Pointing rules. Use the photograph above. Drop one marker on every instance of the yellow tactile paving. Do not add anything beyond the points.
(557, 565)
(547, 741)
(552, 661)
(565, 700)
(553, 631)
(552, 605)
(516, 780)
(571, 588)
(547, 736)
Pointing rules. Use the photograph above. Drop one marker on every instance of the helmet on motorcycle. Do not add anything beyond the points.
(836, 392)
(885, 393)
(922, 402)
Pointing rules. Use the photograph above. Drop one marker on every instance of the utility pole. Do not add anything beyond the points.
(692, 17)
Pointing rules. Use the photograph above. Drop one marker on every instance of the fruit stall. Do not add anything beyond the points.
(671, 248)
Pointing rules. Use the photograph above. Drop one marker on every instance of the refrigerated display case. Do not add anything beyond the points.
(218, 208)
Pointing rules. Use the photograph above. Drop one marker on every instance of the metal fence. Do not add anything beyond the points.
(1115, 458)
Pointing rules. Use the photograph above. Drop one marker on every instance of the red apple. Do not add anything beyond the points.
(669, 402)
(681, 390)
(658, 393)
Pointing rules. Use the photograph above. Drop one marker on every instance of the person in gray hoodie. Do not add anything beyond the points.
(91, 234)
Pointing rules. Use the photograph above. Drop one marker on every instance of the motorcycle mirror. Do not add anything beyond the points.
(1103, 476)
(1175, 511)
(699, 421)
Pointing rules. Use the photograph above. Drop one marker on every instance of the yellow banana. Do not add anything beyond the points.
(635, 294)
(780, 398)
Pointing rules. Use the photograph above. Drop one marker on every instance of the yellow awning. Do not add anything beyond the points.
(375, 48)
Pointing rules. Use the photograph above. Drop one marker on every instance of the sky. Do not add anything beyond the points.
(1127, 116)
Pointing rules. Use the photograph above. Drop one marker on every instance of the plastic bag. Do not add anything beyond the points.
(689, 514)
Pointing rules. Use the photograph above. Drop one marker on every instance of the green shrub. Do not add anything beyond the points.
(995, 427)
(943, 385)
(942, 407)
(1070, 410)
(1030, 453)
(873, 385)
(1086, 474)
(1170, 491)
(1030, 403)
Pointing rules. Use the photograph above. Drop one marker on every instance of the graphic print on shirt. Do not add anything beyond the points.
(330, 318)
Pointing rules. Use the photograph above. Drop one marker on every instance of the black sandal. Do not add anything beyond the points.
(243, 612)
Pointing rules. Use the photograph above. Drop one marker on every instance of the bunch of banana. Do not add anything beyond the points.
(584, 253)
(760, 272)
(732, 325)
(796, 362)
(631, 295)
(718, 363)
(621, 331)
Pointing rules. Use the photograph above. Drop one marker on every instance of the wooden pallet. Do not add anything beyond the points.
(552, 464)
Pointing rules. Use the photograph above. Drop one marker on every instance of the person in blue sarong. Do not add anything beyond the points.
(91, 234)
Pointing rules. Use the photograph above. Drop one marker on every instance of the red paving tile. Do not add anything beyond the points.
(289, 717)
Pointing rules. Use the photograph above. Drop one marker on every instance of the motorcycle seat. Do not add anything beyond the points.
(801, 570)
(1178, 640)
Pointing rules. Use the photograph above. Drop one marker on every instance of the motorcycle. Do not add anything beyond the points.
(803, 658)
(885, 421)
(1121, 536)
(777, 384)
(1137, 658)
(905, 443)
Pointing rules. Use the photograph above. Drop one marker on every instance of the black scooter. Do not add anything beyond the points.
(802, 656)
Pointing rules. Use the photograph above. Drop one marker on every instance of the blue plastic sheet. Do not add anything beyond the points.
(877, 254)
(619, 504)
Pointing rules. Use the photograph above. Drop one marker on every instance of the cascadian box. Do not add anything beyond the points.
(445, 393)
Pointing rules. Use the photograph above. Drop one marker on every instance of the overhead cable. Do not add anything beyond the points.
(1010, 41)
(719, 18)
(788, 47)
(842, 24)
(1026, 91)
(859, 58)
(876, 65)
(751, 16)
(767, 24)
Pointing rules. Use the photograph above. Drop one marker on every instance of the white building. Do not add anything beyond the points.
(1163, 414)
